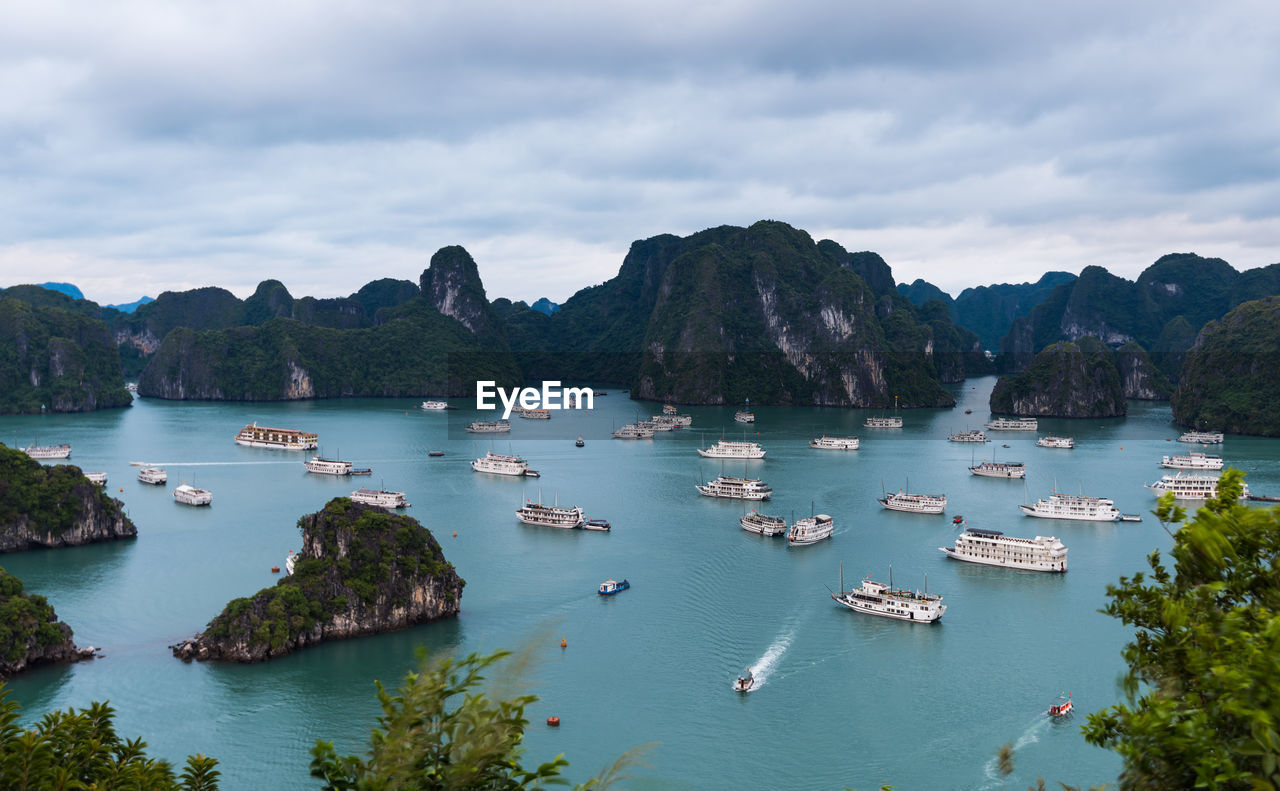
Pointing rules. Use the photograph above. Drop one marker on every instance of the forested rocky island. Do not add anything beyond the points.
(54, 506)
(361, 571)
(1065, 380)
(30, 632)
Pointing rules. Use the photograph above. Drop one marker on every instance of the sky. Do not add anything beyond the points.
(150, 146)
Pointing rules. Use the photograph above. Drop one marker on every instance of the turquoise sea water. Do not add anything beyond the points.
(845, 700)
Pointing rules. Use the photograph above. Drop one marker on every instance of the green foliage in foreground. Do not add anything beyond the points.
(80, 750)
(1202, 693)
(440, 732)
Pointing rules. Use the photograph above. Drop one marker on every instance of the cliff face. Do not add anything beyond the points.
(1139, 376)
(1065, 380)
(1229, 380)
(452, 286)
(54, 506)
(30, 633)
(765, 313)
(58, 360)
(361, 571)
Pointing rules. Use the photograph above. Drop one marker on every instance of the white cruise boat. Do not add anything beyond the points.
(435, 406)
(153, 475)
(975, 435)
(1014, 424)
(379, 497)
(1191, 487)
(1051, 441)
(501, 465)
(993, 548)
(736, 488)
(810, 530)
(883, 422)
(322, 466)
(834, 443)
(633, 431)
(255, 436)
(733, 449)
(655, 425)
(536, 414)
(1202, 437)
(915, 503)
(763, 524)
(532, 513)
(99, 478)
(743, 416)
(671, 421)
(190, 495)
(876, 598)
(1192, 461)
(489, 426)
(48, 451)
(999, 469)
(1073, 506)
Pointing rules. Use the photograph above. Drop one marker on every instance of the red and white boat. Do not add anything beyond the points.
(1062, 707)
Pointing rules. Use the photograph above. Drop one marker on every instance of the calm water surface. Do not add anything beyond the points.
(845, 700)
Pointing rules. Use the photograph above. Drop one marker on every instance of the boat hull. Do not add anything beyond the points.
(932, 510)
(910, 617)
(1031, 511)
(1004, 473)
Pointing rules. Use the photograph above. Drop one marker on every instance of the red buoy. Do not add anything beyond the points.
(564, 643)
(554, 722)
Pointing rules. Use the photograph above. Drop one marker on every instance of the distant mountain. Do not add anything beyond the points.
(1170, 301)
(763, 312)
(544, 305)
(988, 310)
(130, 307)
(65, 288)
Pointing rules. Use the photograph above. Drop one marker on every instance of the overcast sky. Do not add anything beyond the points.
(147, 146)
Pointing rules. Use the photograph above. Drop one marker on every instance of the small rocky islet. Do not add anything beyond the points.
(361, 571)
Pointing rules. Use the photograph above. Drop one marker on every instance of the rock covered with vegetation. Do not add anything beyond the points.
(54, 358)
(30, 632)
(1229, 379)
(361, 571)
(1139, 376)
(1065, 380)
(54, 506)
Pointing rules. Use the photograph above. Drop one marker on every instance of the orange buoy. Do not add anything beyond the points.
(563, 643)
(275, 569)
(122, 488)
(455, 534)
(554, 722)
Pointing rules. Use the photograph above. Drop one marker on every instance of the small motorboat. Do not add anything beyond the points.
(611, 586)
(532, 474)
(597, 524)
(744, 683)
(362, 471)
(968, 411)
(579, 443)
(957, 520)
(436, 453)
(1004, 446)
(1062, 707)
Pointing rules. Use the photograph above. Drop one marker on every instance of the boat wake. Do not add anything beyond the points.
(1030, 735)
(204, 463)
(766, 664)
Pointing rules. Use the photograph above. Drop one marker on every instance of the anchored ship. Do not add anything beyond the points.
(502, 465)
(153, 475)
(733, 449)
(1192, 461)
(1056, 442)
(48, 451)
(914, 503)
(434, 406)
(1014, 424)
(489, 426)
(379, 497)
(974, 435)
(1073, 506)
(323, 466)
(532, 513)
(736, 488)
(834, 443)
(190, 495)
(1191, 487)
(1202, 437)
(633, 431)
(255, 436)
(999, 469)
(763, 524)
(993, 548)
